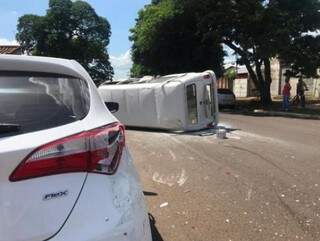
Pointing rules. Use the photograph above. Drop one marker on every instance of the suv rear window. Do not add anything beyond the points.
(35, 102)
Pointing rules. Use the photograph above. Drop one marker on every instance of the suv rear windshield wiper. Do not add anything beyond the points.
(8, 127)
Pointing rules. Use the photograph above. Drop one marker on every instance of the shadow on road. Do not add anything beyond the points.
(146, 193)
(208, 132)
(147, 129)
(156, 236)
(203, 132)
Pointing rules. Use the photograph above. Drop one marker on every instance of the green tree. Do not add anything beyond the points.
(258, 30)
(69, 30)
(166, 40)
(231, 74)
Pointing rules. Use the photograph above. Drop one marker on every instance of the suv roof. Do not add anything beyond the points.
(21, 63)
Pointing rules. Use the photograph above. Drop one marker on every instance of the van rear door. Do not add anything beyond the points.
(207, 100)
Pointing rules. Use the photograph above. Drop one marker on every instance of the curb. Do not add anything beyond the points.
(284, 114)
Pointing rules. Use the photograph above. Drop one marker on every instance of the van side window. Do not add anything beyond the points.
(208, 95)
(192, 104)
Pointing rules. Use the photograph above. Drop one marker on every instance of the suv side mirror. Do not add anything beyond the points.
(112, 106)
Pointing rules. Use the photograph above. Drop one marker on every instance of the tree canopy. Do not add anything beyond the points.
(257, 30)
(166, 40)
(71, 30)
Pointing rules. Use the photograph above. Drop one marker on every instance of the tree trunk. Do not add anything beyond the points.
(267, 82)
(265, 95)
(262, 82)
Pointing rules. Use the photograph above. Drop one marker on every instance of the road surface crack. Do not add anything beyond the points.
(262, 158)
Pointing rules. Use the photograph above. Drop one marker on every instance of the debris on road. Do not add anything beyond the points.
(221, 133)
(259, 184)
(164, 205)
(172, 179)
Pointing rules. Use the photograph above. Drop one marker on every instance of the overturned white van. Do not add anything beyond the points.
(181, 102)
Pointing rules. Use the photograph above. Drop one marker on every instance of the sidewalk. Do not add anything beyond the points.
(251, 107)
(313, 106)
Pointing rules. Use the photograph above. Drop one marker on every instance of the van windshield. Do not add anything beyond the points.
(32, 103)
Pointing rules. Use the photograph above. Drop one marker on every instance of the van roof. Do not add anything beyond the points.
(156, 81)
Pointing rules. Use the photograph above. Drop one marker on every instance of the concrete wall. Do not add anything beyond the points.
(240, 87)
(312, 83)
(225, 83)
(243, 87)
(276, 77)
(317, 88)
(277, 74)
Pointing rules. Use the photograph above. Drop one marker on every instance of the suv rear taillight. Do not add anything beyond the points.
(98, 150)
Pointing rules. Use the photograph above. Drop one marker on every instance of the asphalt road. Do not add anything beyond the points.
(261, 184)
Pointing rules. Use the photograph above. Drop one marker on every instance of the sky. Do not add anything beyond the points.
(120, 13)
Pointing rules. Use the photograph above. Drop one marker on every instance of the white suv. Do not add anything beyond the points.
(65, 172)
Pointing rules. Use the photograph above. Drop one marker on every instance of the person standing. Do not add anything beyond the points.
(286, 94)
(301, 88)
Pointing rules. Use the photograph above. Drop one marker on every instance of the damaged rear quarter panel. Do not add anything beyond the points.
(110, 208)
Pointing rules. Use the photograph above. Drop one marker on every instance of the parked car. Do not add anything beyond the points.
(226, 98)
(65, 170)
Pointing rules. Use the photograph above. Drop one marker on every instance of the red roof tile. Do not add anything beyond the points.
(9, 49)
